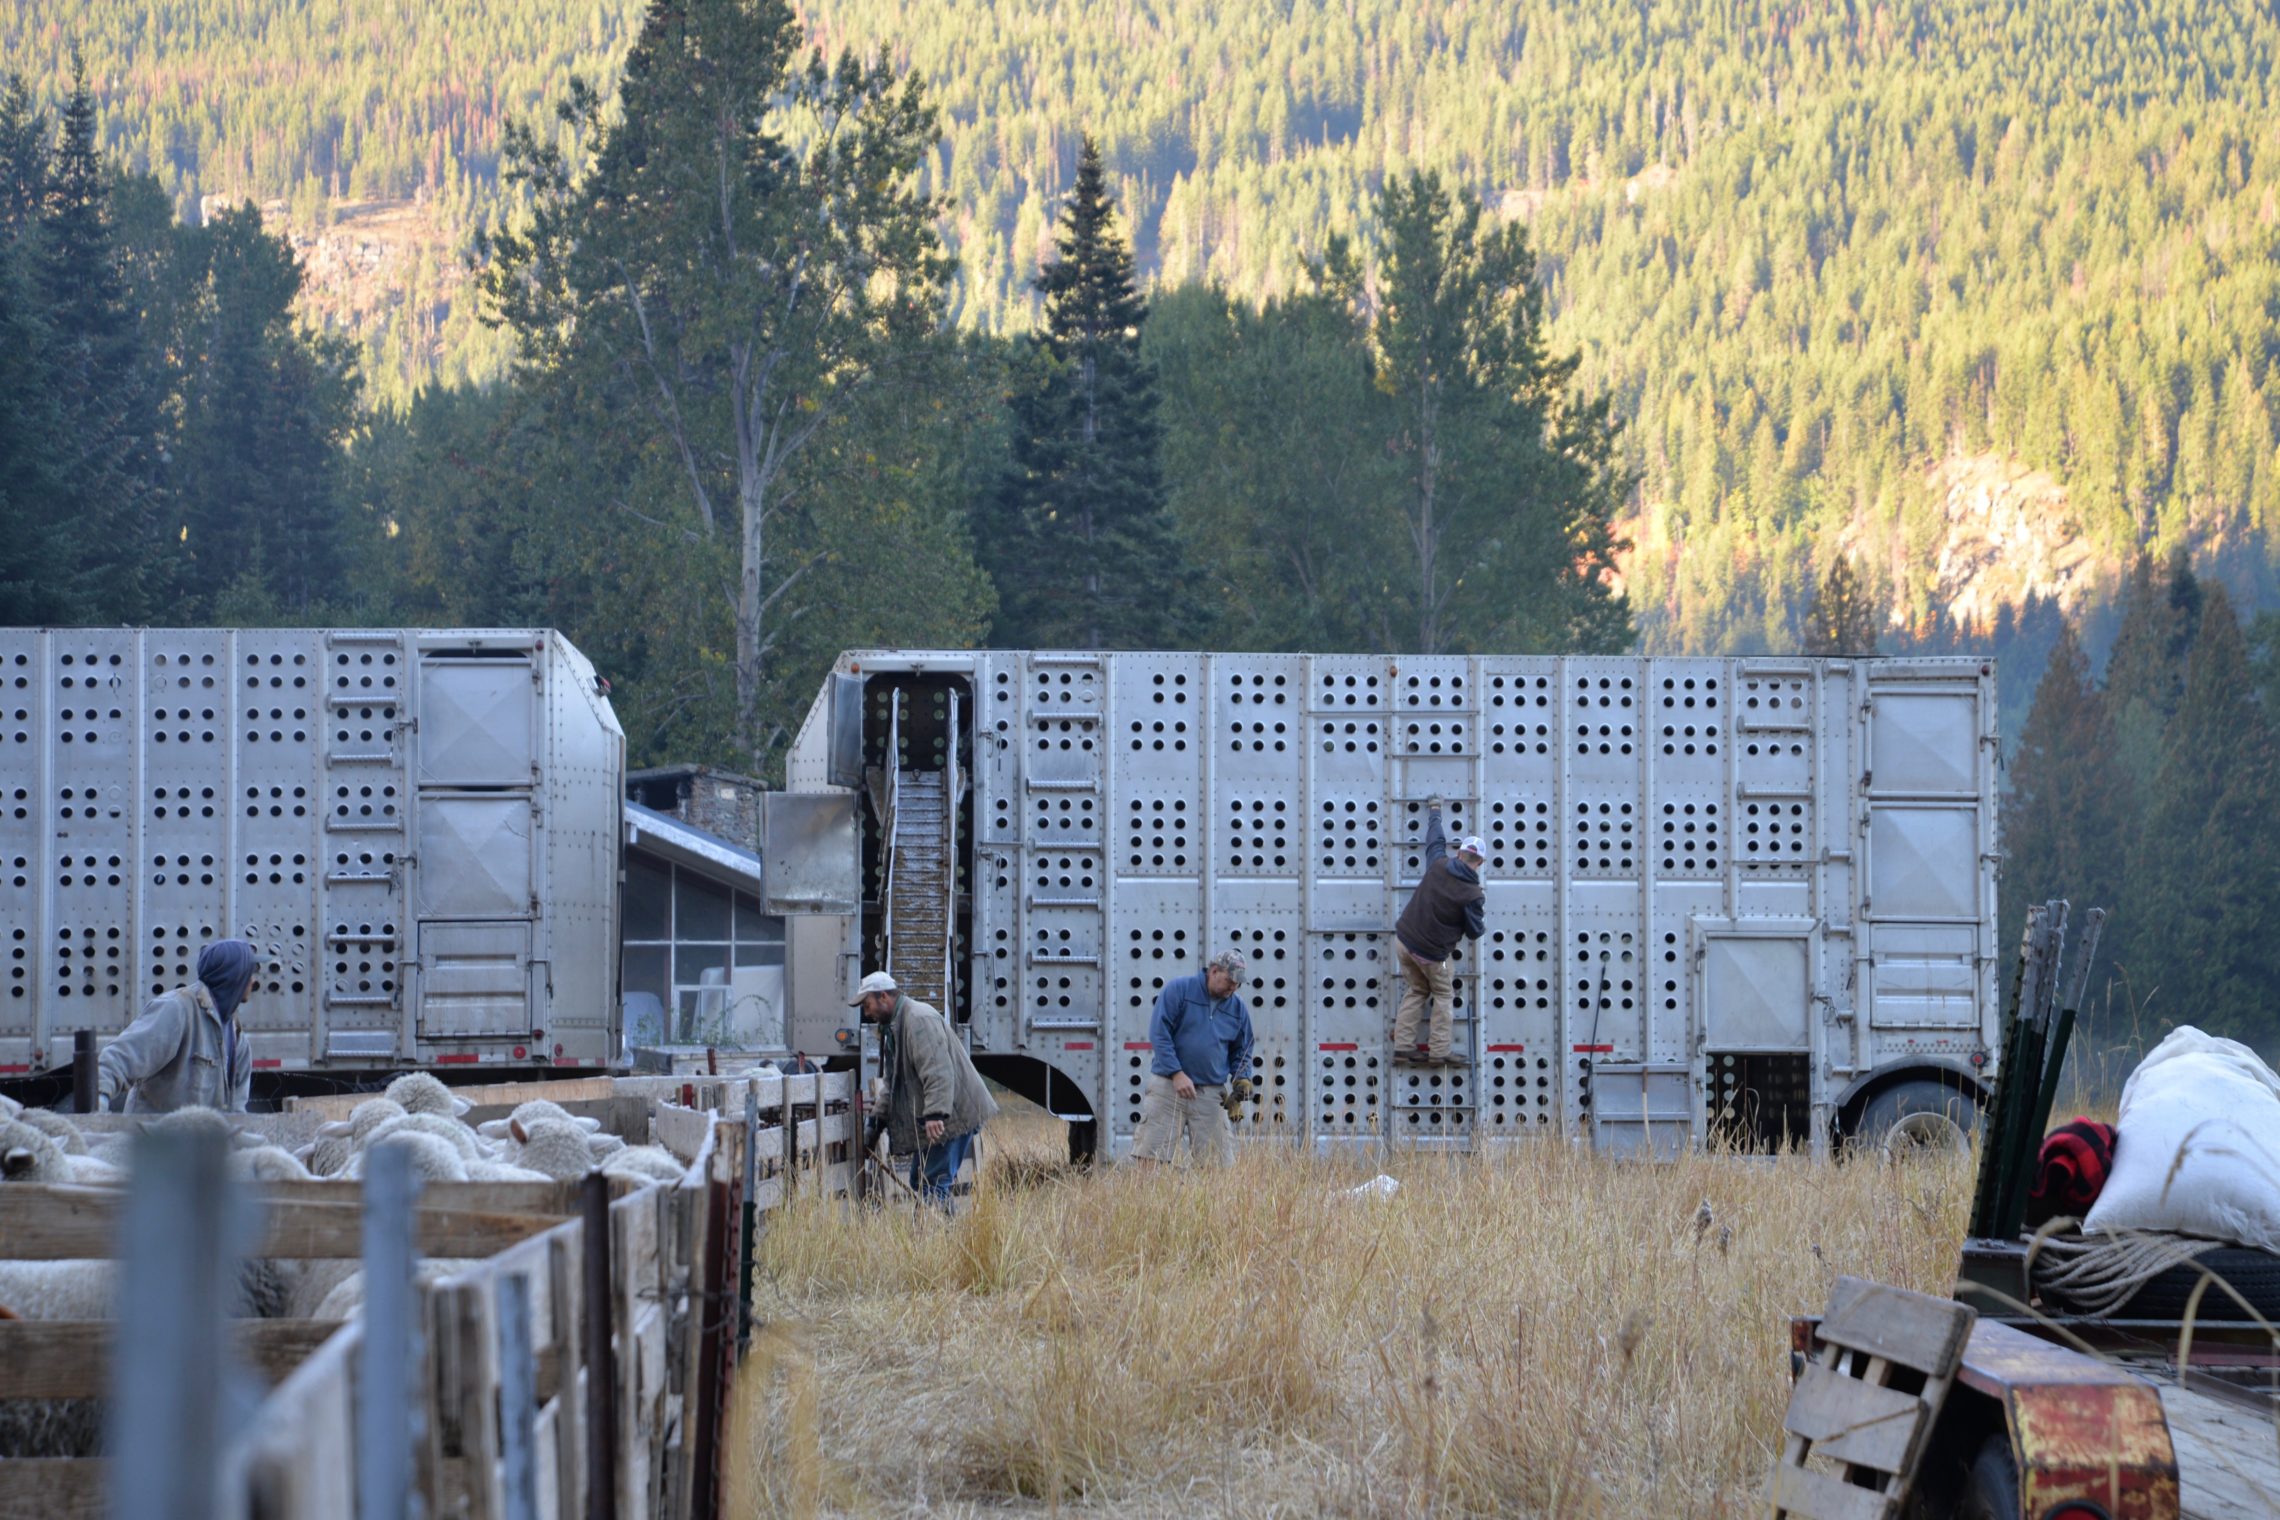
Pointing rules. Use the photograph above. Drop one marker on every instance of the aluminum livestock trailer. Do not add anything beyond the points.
(419, 829)
(1752, 898)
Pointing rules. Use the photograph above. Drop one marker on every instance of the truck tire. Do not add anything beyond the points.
(2254, 1275)
(1990, 1484)
(1918, 1115)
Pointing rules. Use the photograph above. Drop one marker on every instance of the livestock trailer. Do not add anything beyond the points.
(419, 829)
(1748, 898)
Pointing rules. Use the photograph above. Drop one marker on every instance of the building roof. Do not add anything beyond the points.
(687, 772)
(668, 838)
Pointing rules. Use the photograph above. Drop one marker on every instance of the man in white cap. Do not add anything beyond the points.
(936, 1102)
(1449, 903)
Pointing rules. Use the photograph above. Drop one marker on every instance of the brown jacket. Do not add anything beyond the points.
(1449, 902)
(929, 1075)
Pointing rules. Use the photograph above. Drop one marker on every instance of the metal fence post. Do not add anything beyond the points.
(518, 1400)
(84, 1080)
(177, 1399)
(601, 1357)
(751, 1215)
(390, 1353)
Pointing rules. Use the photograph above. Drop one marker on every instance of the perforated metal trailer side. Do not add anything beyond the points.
(1754, 897)
(419, 829)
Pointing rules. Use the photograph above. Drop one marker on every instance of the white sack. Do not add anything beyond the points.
(2197, 1146)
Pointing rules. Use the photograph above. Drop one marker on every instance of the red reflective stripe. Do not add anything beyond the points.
(1507, 1047)
(1138, 1045)
(468, 1059)
(1341, 1045)
(265, 1063)
(1601, 1050)
(15, 1068)
(1078, 1045)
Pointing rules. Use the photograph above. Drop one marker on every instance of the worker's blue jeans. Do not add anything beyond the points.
(938, 1165)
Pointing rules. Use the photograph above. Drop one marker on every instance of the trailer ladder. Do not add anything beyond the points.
(919, 888)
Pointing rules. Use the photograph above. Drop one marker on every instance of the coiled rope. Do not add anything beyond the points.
(2097, 1274)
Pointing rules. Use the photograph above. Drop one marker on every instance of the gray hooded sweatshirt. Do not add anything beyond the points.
(172, 1057)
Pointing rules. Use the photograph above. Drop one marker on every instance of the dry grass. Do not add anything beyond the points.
(1548, 1333)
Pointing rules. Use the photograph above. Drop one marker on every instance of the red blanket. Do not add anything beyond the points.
(2071, 1171)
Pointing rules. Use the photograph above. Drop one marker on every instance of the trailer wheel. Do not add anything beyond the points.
(1918, 1116)
(1991, 1484)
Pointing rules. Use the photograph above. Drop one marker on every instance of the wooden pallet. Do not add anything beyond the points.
(1847, 1410)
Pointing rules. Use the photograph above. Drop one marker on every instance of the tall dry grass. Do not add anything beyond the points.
(1544, 1333)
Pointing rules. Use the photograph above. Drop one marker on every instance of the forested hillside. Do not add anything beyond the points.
(1978, 291)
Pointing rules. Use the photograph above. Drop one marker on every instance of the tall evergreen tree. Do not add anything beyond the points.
(1081, 541)
(1510, 479)
(2145, 672)
(36, 583)
(1841, 620)
(2061, 819)
(2210, 846)
(102, 373)
(705, 299)
(265, 410)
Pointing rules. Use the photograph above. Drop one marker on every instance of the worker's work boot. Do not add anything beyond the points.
(1453, 1058)
(1410, 1055)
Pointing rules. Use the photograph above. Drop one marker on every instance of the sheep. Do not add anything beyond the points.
(433, 1158)
(346, 1298)
(9, 1107)
(74, 1290)
(420, 1093)
(556, 1147)
(32, 1155)
(327, 1155)
(57, 1127)
(652, 1161)
(527, 1114)
(270, 1163)
(362, 1120)
(450, 1131)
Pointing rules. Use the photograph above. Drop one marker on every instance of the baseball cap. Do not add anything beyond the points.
(1474, 845)
(877, 981)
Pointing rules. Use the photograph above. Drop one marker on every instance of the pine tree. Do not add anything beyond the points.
(1081, 542)
(2060, 822)
(35, 581)
(2210, 846)
(116, 498)
(2145, 673)
(1842, 619)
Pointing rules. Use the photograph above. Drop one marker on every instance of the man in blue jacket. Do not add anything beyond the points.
(1202, 1037)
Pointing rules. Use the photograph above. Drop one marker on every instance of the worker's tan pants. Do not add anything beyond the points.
(1423, 982)
(1165, 1116)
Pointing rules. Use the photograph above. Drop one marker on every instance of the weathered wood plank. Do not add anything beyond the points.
(70, 1223)
(559, 1199)
(1851, 1421)
(2228, 1458)
(1910, 1329)
(51, 1488)
(683, 1131)
(71, 1359)
(1811, 1495)
(564, 1090)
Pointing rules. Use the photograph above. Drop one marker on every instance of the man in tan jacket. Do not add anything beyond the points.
(936, 1102)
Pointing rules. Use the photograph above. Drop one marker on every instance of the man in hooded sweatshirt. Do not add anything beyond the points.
(185, 1051)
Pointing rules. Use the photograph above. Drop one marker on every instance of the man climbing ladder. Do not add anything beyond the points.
(1449, 902)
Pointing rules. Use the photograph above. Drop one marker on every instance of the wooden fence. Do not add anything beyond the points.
(576, 1364)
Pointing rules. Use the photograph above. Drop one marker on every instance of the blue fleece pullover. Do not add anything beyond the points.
(1193, 1034)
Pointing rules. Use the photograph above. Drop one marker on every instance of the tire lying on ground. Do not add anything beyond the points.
(2254, 1275)
(1918, 1115)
